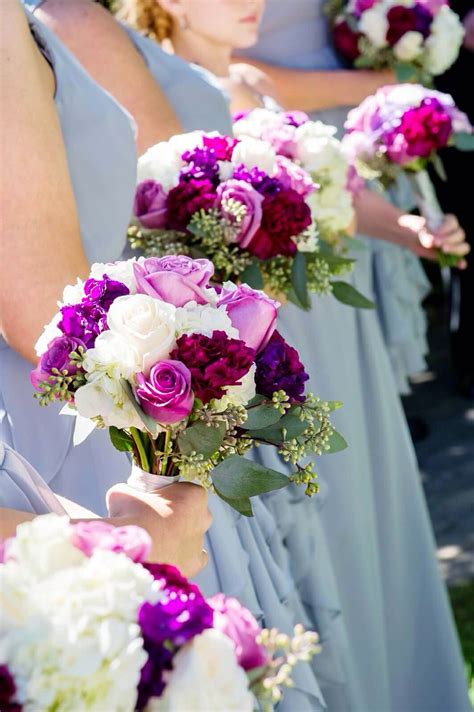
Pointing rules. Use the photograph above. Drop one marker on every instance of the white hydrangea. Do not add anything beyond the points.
(203, 319)
(444, 42)
(374, 24)
(206, 676)
(409, 46)
(112, 355)
(163, 163)
(105, 397)
(321, 155)
(239, 394)
(120, 271)
(332, 208)
(73, 293)
(252, 152)
(256, 123)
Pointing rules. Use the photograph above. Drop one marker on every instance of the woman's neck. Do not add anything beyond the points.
(216, 58)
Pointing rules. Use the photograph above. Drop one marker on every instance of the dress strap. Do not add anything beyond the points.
(32, 5)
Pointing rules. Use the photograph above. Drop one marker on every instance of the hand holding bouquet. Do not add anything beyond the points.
(402, 128)
(186, 377)
(88, 625)
(418, 39)
(240, 205)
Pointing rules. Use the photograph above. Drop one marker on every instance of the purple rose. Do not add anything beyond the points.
(175, 279)
(293, 176)
(244, 193)
(130, 540)
(56, 356)
(238, 624)
(103, 292)
(166, 393)
(149, 205)
(279, 369)
(83, 321)
(252, 313)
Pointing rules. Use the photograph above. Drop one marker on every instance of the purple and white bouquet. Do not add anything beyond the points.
(88, 625)
(418, 39)
(234, 201)
(186, 377)
(402, 128)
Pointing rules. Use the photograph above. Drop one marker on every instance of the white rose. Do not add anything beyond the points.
(50, 332)
(444, 42)
(105, 397)
(113, 356)
(409, 46)
(203, 319)
(119, 271)
(147, 324)
(374, 25)
(206, 676)
(254, 153)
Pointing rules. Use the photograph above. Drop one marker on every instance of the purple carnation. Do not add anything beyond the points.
(56, 356)
(83, 321)
(260, 180)
(279, 368)
(422, 131)
(215, 362)
(187, 199)
(8, 691)
(103, 292)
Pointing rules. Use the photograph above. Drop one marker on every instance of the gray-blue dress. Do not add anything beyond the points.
(100, 146)
(403, 644)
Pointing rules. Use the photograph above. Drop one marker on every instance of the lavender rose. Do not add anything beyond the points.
(238, 624)
(56, 356)
(166, 393)
(149, 205)
(244, 193)
(252, 313)
(174, 279)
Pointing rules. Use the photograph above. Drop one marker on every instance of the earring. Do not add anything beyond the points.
(183, 22)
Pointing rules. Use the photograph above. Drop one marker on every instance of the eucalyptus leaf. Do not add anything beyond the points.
(252, 275)
(243, 505)
(290, 426)
(148, 422)
(336, 443)
(336, 261)
(238, 478)
(464, 141)
(202, 439)
(347, 294)
(261, 417)
(299, 279)
(121, 440)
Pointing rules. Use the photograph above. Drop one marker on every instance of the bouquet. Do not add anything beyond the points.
(88, 625)
(418, 39)
(402, 128)
(185, 376)
(234, 201)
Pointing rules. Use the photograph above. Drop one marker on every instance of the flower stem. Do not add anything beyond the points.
(144, 464)
(164, 462)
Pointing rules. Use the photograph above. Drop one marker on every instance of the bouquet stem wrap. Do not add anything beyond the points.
(148, 482)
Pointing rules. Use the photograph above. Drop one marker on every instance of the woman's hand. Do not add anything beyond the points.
(176, 518)
(450, 238)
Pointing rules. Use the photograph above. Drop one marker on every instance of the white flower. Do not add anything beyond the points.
(50, 332)
(307, 241)
(203, 319)
(239, 394)
(444, 42)
(409, 46)
(332, 208)
(73, 293)
(322, 156)
(253, 152)
(256, 122)
(147, 324)
(105, 397)
(163, 163)
(113, 356)
(206, 677)
(374, 25)
(226, 170)
(119, 271)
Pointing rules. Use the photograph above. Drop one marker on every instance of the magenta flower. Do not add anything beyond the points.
(175, 279)
(252, 313)
(279, 368)
(56, 356)
(130, 540)
(186, 199)
(285, 216)
(215, 362)
(245, 194)
(149, 205)
(421, 132)
(238, 624)
(83, 321)
(103, 292)
(165, 394)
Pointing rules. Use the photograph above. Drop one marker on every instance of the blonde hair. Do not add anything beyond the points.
(146, 16)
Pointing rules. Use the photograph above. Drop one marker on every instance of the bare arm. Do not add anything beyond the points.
(106, 52)
(40, 244)
(311, 90)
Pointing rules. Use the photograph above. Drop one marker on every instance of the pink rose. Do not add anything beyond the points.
(293, 176)
(244, 193)
(166, 393)
(149, 205)
(252, 313)
(130, 540)
(238, 624)
(174, 279)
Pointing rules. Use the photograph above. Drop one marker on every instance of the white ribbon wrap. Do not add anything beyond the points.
(426, 199)
(146, 482)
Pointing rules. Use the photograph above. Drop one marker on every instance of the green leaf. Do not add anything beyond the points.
(121, 440)
(290, 426)
(148, 422)
(336, 261)
(405, 72)
(261, 417)
(241, 504)
(299, 279)
(238, 478)
(202, 439)
(336, 443)
(347, 294)
(445, 259)
(439, 168)
(252, 276)
(464, 141)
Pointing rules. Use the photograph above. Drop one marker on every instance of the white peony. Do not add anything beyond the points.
(252, 152)
(374, 24)
(409, 46)
(444, 42)
(205, 677)
(112, 355)
(147, 324)
(120, 271)
(105, 397)
(203, 319)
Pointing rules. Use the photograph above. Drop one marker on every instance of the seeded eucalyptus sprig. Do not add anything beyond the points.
(61, 385)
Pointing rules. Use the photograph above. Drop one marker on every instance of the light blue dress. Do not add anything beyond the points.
(100, 146)
(403, 645)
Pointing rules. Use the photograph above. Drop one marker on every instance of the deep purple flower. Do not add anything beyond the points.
(103, 292)
(407, 19)
(261, 181)
(56, 356)
(149, 205)
(279, 368)
(215, 362)
(201, 164)
(83, 321)
(346, 41)
(186, 199)
(8, 691)
(165, 394)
